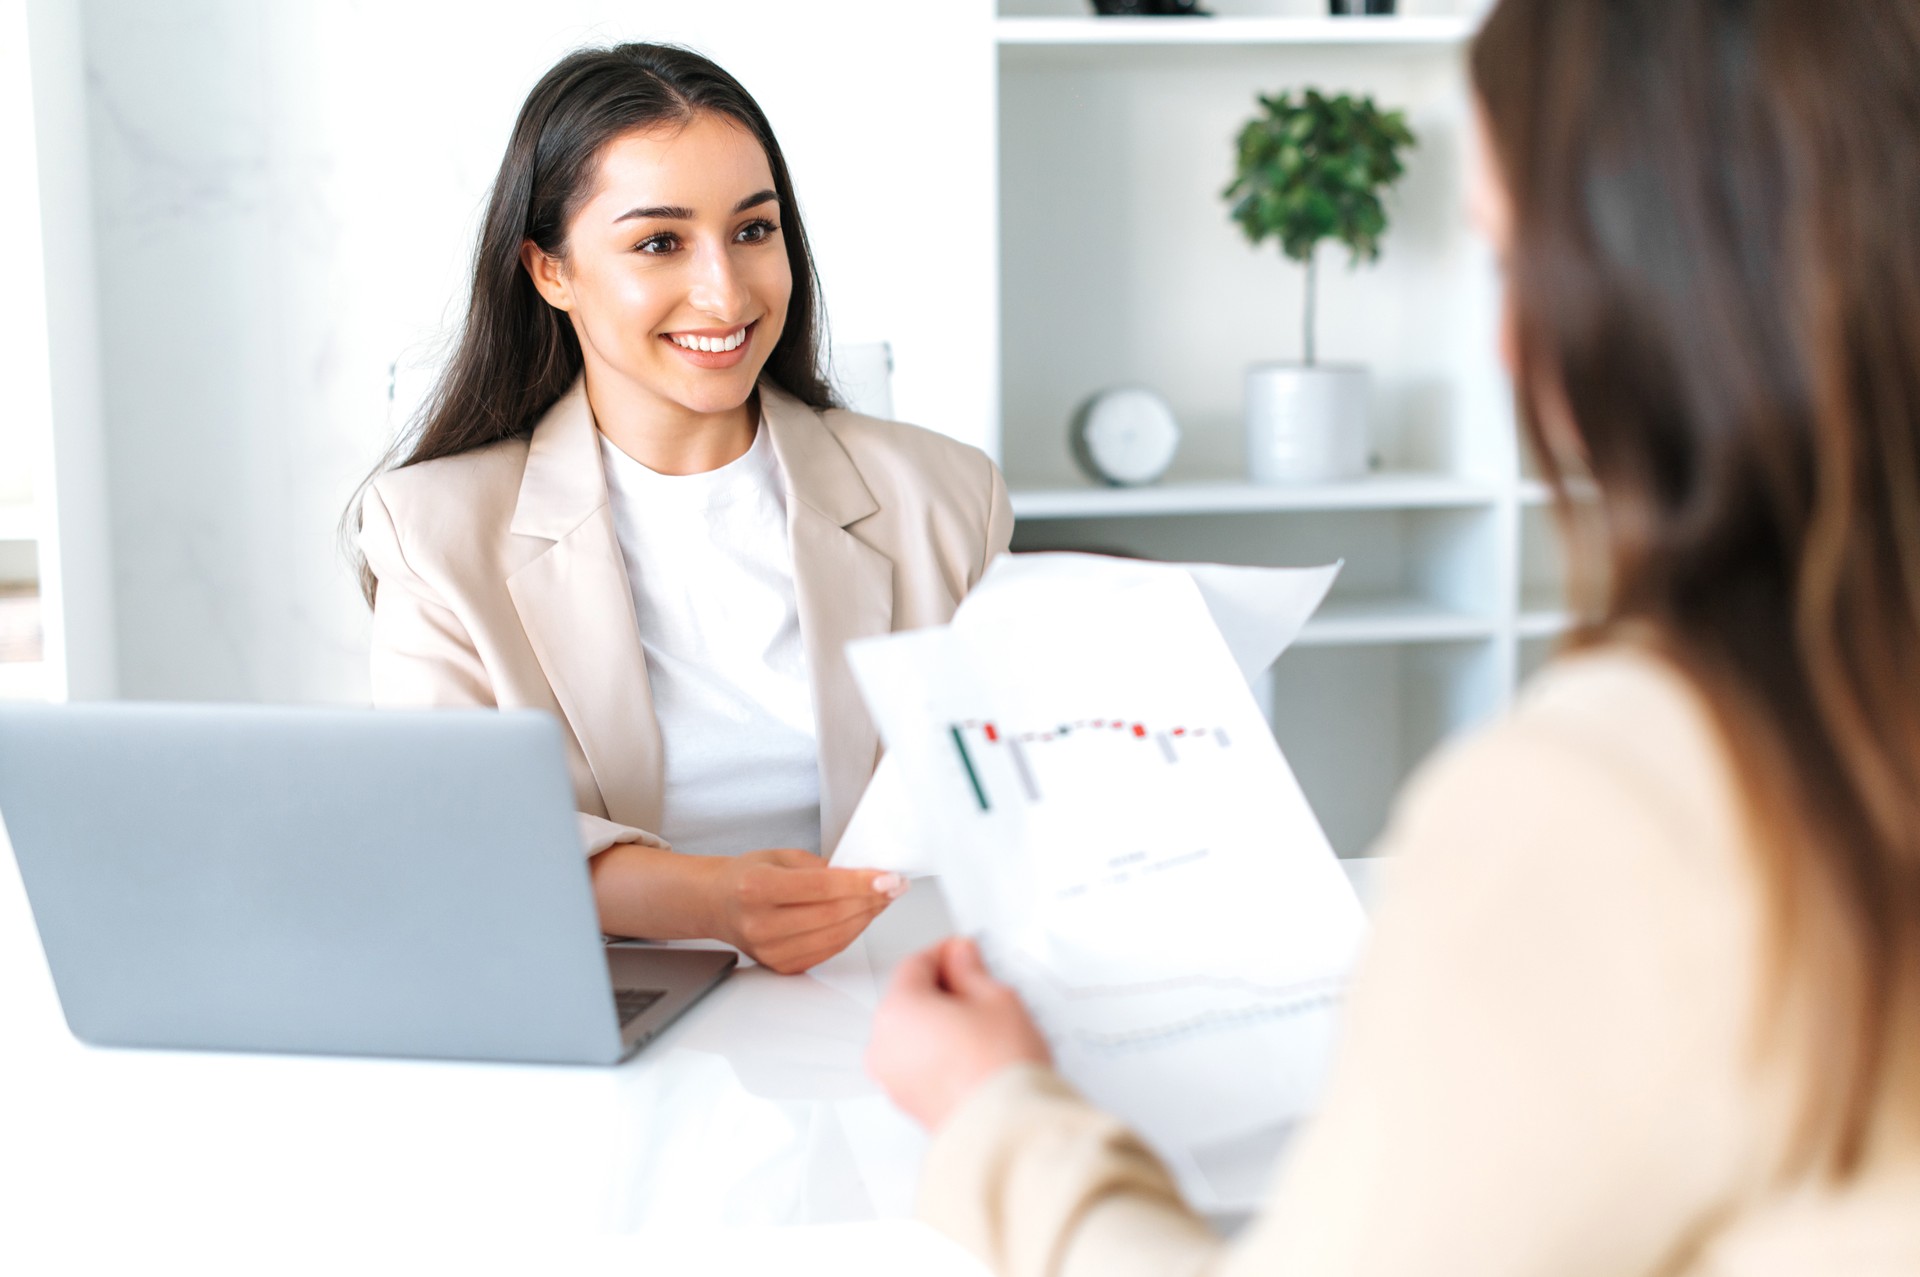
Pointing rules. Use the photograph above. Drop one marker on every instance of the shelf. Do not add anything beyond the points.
(1535, 492)
(1546, 623)
(1348, 622)
(1387, 491)
(19, 523)
(1056, 32)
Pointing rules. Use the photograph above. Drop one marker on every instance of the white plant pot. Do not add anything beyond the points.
(1306, 424)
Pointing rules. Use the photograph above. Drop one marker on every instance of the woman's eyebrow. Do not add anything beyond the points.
(680, 213)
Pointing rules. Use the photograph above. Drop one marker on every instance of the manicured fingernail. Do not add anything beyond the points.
(892, 886)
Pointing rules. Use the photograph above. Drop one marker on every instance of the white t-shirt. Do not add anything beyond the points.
(712, 574)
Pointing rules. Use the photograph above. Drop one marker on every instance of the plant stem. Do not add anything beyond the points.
(1307, 324)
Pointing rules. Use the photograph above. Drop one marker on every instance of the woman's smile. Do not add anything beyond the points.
(712, 347)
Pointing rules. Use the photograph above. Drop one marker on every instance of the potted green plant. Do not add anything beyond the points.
(1310, 170)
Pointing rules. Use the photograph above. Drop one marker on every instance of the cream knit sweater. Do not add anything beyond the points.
(1549, 1062)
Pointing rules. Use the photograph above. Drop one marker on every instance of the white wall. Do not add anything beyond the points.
(286, 197)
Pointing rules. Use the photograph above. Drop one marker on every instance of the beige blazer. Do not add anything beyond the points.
(501, 583)
(1548, 1065)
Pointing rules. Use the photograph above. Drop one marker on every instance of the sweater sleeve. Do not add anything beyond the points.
(1028, 1175)
(1538, 1070)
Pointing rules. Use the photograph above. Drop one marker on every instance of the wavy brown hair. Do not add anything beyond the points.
(1715, 282)
(516, 354)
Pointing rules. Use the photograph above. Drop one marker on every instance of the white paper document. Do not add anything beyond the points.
(1259, 612)
(1080, 757)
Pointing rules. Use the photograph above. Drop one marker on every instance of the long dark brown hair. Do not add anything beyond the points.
(1715, 281)
(516, 354)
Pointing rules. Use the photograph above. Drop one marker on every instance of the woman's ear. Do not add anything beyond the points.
(548, 274)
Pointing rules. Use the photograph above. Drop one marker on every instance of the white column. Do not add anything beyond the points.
(75, 558)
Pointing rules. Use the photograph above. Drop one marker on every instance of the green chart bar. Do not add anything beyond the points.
(966, 760)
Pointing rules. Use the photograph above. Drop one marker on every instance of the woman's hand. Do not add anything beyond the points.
(788, 911)
(944, 1027)
(785, 909)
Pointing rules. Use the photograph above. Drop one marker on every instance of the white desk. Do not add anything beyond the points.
(753, 1111)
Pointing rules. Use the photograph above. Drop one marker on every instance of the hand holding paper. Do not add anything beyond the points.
(1112, 819)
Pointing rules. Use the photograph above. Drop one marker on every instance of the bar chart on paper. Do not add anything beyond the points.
(1135, 815)
(1103, 750)
(1117, 801)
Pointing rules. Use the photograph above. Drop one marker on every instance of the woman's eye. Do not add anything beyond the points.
(656, 244)
(754, 232)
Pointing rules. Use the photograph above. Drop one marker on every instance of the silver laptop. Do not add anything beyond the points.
(336, 881)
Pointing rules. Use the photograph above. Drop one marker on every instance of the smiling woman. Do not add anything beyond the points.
(662, 296)
(632, 502)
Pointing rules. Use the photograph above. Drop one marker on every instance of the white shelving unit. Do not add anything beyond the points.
(1119, 265)
(1402, 618)
(1013, 31)
(1380, 491)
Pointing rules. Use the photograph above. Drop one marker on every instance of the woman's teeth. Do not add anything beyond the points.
(713, 345)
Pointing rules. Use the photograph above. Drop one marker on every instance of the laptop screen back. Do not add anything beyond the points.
(324, 880)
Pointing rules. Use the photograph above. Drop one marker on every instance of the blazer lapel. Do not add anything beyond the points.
(844, 589)
(576, 605)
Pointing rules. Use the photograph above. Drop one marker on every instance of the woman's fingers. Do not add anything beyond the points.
(918, 973)
(946, 1026)
(789, 884)
(787, 952)
(790, 858)
(798, 951)
(788, 911)
(962, 969)
(794, 920)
